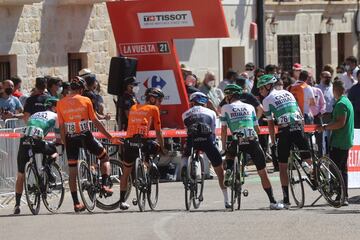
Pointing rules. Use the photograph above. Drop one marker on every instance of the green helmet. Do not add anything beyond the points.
(233, 89)
(51, 102)
(266, 79)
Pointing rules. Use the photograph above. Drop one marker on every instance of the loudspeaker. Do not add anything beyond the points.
(120, 68)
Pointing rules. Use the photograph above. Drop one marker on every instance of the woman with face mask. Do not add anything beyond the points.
(214, 94)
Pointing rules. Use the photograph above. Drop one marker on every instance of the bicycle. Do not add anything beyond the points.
(46, 182)
(147, 176)
(326, 178)
(90, 181)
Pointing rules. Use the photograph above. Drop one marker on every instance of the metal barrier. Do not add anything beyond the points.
(14, 123)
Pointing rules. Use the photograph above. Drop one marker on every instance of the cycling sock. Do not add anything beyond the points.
(17, 199)
(104, 179)
(122, 196)
(270, 194)
(226, 196)
(229, 164)
(285, 190)
(75, 197)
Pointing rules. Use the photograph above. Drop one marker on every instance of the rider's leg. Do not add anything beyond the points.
(22, 159)
(283, 149)
(127, 169)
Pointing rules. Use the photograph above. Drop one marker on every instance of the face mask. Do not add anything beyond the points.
(211, 83)
(136, 89)
(8, 91)
(250, 74)
(59, 91)
(347, 67)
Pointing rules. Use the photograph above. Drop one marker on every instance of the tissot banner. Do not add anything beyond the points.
(146, 29)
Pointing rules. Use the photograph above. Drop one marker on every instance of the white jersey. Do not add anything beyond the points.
(199, 114)
(282, 105)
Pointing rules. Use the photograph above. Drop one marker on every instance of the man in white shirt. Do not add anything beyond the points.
(349, 77)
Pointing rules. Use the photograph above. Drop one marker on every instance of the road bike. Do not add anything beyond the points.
(324, 176)
(45, 182)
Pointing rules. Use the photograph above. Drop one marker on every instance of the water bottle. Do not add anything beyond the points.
(306, 167)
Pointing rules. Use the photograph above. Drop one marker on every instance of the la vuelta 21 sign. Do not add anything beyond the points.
(146, 29)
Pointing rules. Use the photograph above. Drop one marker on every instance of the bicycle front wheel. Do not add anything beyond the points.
(153, 187)
(199, 177)
(55, 190)
(140, 184)
(330, 182)
(86, 185)
(296, 183)
(32, 188)
(240, 179)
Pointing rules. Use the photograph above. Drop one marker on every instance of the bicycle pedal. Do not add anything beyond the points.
(201, 198)
(134, 202)
(245, 193)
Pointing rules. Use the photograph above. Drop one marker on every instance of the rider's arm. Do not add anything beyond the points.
(157, 127)
(259, 111)
(160, 139)
(223, 136)
(271, 126)
(96, 121)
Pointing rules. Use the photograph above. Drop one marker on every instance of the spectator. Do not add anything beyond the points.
(349, 77)
(214, 94)
(342, 127)
(185, 71)
(354, 97)
(327, 90)
(255, 91)
(296, 71)
(10, 106)
(190, 84)
(54, 86)
(229, 79)
(304, 96)
(17, 85)
(65, 89)
(329, 69)
(339, 72)
(249, 68)
(36, 102)
(126, 101)
(270, 69)
(279, 85)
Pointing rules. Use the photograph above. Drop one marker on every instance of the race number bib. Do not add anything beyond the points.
(84, 126)
(246, 133)
(70, 128)
(34, 132)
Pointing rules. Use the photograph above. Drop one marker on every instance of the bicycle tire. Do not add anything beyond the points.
(86, 185)
(240, 178)
(295, 181)
(112, 202)
(199, 183)
(140, 180)
(233, 184)
(153, 187)
(333, 188)
(32, 188)
(55, 192)
(188, 186)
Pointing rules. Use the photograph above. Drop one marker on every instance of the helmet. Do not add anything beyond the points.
(51, 102)
(154, 92)
(77, 83)
(266, 79)
(233, 89)
(199, 97)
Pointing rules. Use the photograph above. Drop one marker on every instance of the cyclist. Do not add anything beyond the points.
(200, 123)
(38, 126)
(75, 112)
(141, 118)
(280, 105)
(241, 118)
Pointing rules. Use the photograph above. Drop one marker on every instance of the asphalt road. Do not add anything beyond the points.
(210, 221)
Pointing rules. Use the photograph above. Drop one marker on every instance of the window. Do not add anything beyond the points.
(7, 66)
(288, 51)
(76, 62)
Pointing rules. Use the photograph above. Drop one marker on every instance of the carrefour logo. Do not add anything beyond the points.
(166, 19)
(155, 81)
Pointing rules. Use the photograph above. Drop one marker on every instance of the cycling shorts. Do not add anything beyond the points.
(251, 147)
(287, 138)
(205, 144)
(131, 152)
(40, 146)
(74, 142)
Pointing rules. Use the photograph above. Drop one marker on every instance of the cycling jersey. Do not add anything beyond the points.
(40, 123)
(281, 105)
(240, 117)
(199, 114)
(140, 119)
(75, 111)
(302, 93)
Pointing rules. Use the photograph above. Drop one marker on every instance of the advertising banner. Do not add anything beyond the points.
(354, 162)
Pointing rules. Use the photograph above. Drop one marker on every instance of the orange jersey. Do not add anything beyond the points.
(75, 111)
(140, 119)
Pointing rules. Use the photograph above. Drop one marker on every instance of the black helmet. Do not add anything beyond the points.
(154, 92)
(77, 83)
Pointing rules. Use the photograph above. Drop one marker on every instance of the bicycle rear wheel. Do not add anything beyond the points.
(330, 182)
(153, 186)
(112, 202)
(240, 178)
(32, 188)
(198, 181)
(233, 184)
(296, 183)
(86, 185)
(188, 186)
(55, 190)
(140, 184)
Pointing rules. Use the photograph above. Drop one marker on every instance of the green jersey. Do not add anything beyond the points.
(40, 123)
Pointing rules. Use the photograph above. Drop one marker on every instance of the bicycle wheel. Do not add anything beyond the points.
(233, 184)
(86, 185)
(32, 188)
(55, 190)
(330, 182)
(296, 183)
(240, 178)
(153, 186)
(140, 184)
(188, 186)
(112, 202)
(198, 181)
